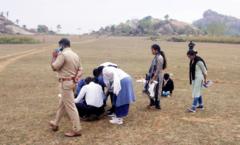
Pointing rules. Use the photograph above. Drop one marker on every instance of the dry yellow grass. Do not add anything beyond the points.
(29, 96)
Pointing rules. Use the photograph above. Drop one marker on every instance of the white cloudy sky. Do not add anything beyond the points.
(92, 14)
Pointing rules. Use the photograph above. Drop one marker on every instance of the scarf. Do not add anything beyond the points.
(192, 67)
(112, 78)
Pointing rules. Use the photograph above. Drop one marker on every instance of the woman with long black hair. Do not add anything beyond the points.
(198, 77)
(155, 74)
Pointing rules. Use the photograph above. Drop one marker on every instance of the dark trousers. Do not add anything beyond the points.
(120, 111)
(112, 97)
(85, 110)
(156, 100)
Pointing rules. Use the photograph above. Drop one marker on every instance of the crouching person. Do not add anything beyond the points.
(168, 86)
(89, 101)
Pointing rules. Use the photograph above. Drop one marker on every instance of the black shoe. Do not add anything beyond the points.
(93, 117)
(110, 111)
(200, 107)
(157, 105)
(145, 92)
(84, 118)
(152, 102)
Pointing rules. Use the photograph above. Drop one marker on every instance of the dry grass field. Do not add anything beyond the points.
(28, 95)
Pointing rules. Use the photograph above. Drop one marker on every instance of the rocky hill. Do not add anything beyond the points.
(149, 26)
(8, 27)
(214, 23)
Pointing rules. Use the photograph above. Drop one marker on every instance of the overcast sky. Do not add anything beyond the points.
(79, 16)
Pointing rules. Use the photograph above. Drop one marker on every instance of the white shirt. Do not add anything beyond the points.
(93, 95)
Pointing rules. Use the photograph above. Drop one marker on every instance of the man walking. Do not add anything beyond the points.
(67, 64)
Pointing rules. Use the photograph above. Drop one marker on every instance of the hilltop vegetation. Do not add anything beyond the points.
(7, 26)
(149, 26)
(212, 23)
(206, 38)
(17, 40)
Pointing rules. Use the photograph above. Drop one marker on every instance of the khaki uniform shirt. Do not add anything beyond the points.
(67, 64)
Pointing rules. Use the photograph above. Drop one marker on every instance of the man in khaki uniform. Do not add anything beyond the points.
(67, 64)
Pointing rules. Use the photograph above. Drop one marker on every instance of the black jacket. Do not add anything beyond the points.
(169, 86)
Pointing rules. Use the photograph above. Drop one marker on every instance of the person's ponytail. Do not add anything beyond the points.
(159, 51)
(164, 59)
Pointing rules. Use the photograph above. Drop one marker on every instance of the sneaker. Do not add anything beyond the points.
(190, 110)
(158, 107)
(145, 92)
(84, 118)
(112, 115)
(93, 117)
(200, 107)
(110, 111)
(116, 120)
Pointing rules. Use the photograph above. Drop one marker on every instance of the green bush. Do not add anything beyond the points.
(17, 40)
(208, 39)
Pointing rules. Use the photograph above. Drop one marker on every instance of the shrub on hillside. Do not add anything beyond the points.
(17, 40)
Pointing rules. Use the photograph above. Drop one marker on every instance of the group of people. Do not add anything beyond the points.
(86, 98)
(91, 96)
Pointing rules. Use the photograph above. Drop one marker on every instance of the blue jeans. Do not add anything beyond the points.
(166, 93)
(197, 101)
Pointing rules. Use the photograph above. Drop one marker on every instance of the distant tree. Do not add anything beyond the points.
(42, 29)
(146, 24)
(166, 17)
(1, 13)
(216, 28)
(7, 14)
(125, 29)
(59, 28)
(24, 26)
(17, 21)
(112, 28)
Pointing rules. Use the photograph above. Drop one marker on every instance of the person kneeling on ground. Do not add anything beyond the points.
(97, 79)
(168, 86)
(89, 102)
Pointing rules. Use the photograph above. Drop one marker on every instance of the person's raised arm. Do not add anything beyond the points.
(57, 61)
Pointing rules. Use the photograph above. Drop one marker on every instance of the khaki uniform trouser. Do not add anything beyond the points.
(67, 104)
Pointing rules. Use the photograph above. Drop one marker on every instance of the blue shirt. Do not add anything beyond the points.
(80, 84)
(101, 81)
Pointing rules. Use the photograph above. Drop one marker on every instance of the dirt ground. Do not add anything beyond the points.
(28, 95)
